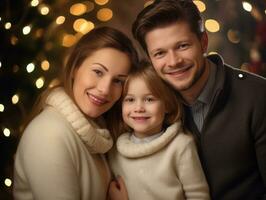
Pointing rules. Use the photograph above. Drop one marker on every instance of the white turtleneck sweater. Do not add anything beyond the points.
(160, 168)
(60, 155)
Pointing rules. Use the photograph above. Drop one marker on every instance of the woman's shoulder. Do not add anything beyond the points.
(48, 125)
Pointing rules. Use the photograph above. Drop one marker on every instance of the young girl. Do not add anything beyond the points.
(156, 157)
(61, 152)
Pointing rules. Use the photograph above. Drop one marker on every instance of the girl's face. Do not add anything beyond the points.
(141, 110)
(98, 81)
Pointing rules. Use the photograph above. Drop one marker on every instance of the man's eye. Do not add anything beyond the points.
(183, 46)
(158, 54)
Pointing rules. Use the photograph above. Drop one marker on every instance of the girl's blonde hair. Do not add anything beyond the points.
(159, 89)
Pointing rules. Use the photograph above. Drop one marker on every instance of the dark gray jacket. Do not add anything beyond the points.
(232, 143)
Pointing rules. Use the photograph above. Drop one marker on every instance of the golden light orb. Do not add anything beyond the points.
(15, 99)
(200, 5)
(212, 25)
(45, 65)
(60, 20)
(101, 2)
(104, 14)
(78, 9)
(68, 40)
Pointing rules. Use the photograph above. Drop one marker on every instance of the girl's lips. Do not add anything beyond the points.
(140, 118)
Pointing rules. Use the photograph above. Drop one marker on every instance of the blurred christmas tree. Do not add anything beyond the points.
(34, 38)
(36, 34)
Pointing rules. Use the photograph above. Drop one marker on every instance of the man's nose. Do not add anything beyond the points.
(174, 59)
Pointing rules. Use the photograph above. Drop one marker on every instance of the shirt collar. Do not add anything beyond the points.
(147, 139)
(207, 92)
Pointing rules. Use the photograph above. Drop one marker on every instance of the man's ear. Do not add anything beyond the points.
(204, 41)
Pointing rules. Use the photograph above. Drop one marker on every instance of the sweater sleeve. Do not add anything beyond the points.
(190, 172)
(44, 165)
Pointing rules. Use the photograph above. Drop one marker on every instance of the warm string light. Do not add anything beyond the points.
(15, 99)
(212, 25)
(39, 83)
(101, 2)
(26, 30)
(45, 65)
(6, 132)
(35, 3)
(200, 5)
(8, 25)
(30, 67)
(2, 107)
(8, 182)
(247, 6)
(66, 37)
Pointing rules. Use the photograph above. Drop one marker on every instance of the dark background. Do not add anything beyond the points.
(241, 40)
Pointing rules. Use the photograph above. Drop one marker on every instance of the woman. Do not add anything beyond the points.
(60, 155)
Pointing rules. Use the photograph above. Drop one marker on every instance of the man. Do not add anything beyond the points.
(225, 107)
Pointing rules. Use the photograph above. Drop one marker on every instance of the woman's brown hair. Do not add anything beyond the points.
(102, 37)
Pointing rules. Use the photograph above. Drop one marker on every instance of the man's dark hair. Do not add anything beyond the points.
(164, 12)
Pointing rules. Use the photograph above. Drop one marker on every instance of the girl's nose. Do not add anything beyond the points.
(139, 107)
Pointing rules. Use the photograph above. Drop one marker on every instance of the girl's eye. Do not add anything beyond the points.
(128, 99)
(149, 99)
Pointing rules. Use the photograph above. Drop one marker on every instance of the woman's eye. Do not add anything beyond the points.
(98, 72)
(119, 81)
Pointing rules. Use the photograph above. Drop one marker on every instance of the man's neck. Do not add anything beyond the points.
(190, 95)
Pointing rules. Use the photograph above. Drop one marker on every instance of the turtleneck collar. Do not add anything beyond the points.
(134, 150)
(96, 139)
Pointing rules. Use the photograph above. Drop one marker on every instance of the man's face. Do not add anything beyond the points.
(177, 55)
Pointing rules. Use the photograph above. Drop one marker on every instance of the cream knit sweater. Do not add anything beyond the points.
(167, 168)
(60, 155)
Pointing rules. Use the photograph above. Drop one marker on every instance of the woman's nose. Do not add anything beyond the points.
(104, 86)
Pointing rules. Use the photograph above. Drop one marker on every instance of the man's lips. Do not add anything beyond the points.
(178, 71)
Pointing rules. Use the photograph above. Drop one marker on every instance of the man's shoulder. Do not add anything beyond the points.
(248, 79)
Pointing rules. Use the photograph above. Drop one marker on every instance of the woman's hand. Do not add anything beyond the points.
(117, 190)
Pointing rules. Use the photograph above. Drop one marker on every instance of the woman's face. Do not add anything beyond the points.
(99, 80)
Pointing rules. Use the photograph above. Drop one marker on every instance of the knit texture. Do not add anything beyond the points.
(97, 140)
(131, 150)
